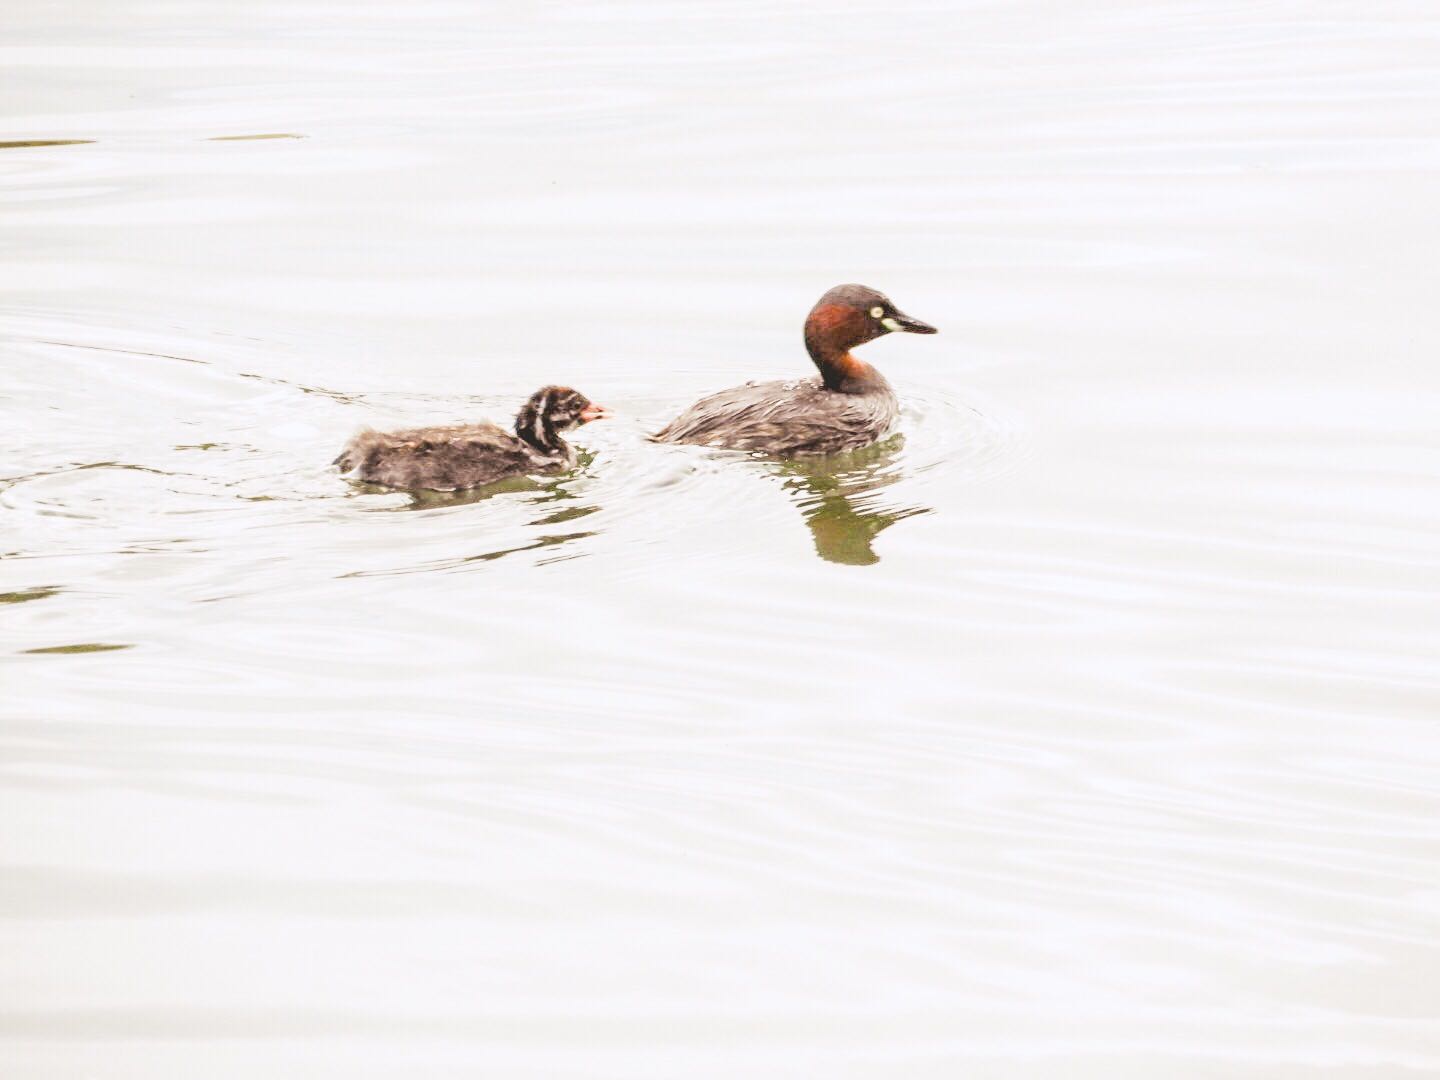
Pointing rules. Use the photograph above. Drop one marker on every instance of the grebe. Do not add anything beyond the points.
(465, 456)
(849, 406)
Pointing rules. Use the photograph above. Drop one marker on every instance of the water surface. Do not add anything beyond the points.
(1085, 728)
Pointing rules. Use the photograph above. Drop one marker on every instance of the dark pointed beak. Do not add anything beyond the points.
(910, 325)
(594, 412)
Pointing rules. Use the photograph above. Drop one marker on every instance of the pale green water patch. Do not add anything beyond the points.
(25, 144)
(254, 138)
(20, 596)
(84, 647)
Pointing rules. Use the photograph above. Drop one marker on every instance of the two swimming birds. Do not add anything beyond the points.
(849, 405)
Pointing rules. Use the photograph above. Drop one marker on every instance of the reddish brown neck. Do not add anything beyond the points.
(845, 373)
(829, 332)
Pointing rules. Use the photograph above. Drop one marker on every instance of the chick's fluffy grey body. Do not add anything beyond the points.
(451, 458)
(464, 456)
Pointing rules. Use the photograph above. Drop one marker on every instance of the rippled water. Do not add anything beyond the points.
(1085, 728)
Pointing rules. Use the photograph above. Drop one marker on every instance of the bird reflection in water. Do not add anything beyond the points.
(839, 497)
(543, 492)
(547, 489)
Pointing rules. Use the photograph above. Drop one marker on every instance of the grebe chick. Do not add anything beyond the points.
(464, 456)
(849, 406)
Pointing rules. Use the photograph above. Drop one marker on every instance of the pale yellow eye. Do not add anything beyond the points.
(876, 312)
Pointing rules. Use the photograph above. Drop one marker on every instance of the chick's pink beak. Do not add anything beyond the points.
(594, 412)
